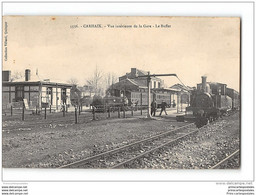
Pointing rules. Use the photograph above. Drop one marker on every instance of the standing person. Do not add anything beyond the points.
(163, 107)
(174, 104)
(136, 104)
(126, 101)
(153, 107)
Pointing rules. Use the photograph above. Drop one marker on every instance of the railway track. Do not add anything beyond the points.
(225, 160)
(124, 155)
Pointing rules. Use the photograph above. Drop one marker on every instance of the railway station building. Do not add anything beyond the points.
(142, 81)
(35, 91)
(138, 86)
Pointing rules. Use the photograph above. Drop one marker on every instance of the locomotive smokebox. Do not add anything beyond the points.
(204, 83)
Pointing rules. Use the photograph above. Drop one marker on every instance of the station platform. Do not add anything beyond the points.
(171, 114)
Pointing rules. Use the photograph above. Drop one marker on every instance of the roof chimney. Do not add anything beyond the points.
(204, 83)
(27, 74)
(134, 72)
(6, 75)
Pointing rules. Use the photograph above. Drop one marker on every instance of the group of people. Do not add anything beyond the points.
(154, 108)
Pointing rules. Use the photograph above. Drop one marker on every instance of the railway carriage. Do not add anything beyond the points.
(130, 99)
(136, 98)
(235, 98)
(108, 103)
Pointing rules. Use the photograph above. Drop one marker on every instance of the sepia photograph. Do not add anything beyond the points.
(121, 92)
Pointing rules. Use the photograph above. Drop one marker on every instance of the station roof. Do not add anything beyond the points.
(169, 89)
(181, 87)
(138, 73)
(13, 83)
(131, 84)
(128, 84)
(35, 79)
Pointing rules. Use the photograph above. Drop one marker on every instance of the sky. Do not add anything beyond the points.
(65, 47)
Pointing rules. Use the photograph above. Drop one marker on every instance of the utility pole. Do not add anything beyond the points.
(149, 76)
(149, 98)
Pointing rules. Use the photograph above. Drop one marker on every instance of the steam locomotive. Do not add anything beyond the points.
(209, 102)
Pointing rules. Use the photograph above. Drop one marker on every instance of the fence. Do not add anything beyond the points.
(20, 112)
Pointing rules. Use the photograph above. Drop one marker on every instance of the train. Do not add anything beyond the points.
(130, 99)
(141, 98)
(108, 103)
(209, 102)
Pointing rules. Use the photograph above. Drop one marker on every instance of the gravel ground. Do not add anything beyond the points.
(231, 163)
(62, 143)
(59, 144)
(212, 144)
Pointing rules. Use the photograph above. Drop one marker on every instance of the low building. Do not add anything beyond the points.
(135, 88)
(35, 91)
(131, 82)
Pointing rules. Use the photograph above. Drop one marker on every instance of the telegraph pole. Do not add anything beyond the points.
(149, 96)
(149, 76)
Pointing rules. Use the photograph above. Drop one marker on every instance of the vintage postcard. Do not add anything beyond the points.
(121, 92)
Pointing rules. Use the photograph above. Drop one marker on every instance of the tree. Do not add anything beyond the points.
(72, 81)
(95, 82)
(114, 79)
(100, 82)
(110, 79)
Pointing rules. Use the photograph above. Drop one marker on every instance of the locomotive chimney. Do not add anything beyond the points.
(204, 83)
(27, 75)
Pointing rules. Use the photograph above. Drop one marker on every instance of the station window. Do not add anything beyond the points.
(49, 91)
(64, 95)
(158, 84)
(49, 94)
(19, 93)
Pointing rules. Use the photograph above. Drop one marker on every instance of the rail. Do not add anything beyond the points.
(153, 150)
(91, 158)
(225, 159)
